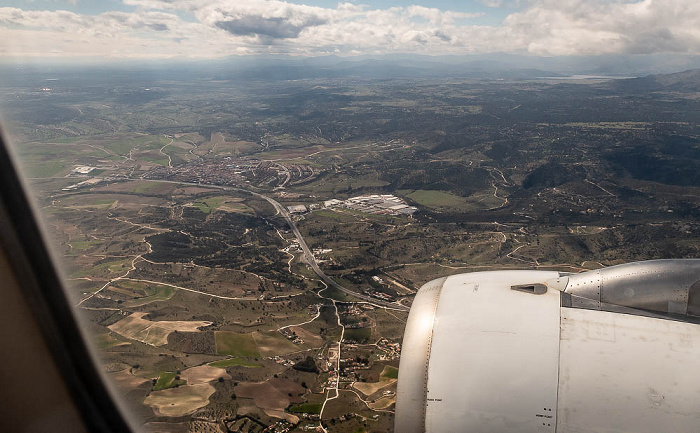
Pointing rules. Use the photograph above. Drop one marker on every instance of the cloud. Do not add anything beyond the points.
(577, 27)
(147, 34)
(277, 28)
(510, 4)
(272, 19)
(438, 17)
(107, 24)
(217, 28)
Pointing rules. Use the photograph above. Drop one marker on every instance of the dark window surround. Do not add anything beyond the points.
(21, 237)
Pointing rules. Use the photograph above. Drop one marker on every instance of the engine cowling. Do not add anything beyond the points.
(613, 350)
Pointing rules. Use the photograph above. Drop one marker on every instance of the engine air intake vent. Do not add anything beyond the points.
(533, 289)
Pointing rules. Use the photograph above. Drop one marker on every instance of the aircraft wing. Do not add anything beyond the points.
(611, 350)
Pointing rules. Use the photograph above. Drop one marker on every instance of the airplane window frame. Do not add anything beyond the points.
(22, 237)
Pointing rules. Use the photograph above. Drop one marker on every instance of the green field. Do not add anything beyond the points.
(119, 147)
(104, 204)
(233, 362)
(359, 335)
(134, 289)
(443, 200)
(103, 269)
(272, 343)
(154, 159)
(149, 187)
(313, 408)
(47, 169)
(167, 379)
(235, 344)
(389, 372)
(153, 293)
(331, 185)
(435, 199)
(209, 204)
(107, 341)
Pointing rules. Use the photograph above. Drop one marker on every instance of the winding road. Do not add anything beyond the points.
(308, 255)
(311, 260)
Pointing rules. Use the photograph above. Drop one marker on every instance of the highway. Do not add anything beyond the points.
(311, 260)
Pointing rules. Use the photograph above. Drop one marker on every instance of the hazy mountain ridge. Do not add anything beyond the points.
(686, 81)
(283, 68)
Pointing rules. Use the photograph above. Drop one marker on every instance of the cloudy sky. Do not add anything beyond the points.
(151, 29)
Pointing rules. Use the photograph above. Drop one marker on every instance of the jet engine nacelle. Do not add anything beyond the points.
(610, 350)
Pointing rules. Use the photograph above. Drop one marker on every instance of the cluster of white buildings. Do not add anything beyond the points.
(378, 204)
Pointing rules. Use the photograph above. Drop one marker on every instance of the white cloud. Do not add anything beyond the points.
(574, 27)
(220, 27)
(511, 4)
(438, 17)
(109, 24)
(269, 19)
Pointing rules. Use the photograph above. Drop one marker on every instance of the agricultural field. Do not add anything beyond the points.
(168, 379)
(441, 201)
(167, 212)
(154, 333)
(234, 344)
(312, 408)
(203, 374)
(180, 401)
(387, 378)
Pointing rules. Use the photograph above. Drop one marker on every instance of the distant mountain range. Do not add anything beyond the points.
(686, 81)
(488, 66)
(477, 66)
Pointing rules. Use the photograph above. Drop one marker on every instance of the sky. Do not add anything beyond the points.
(210, 29)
